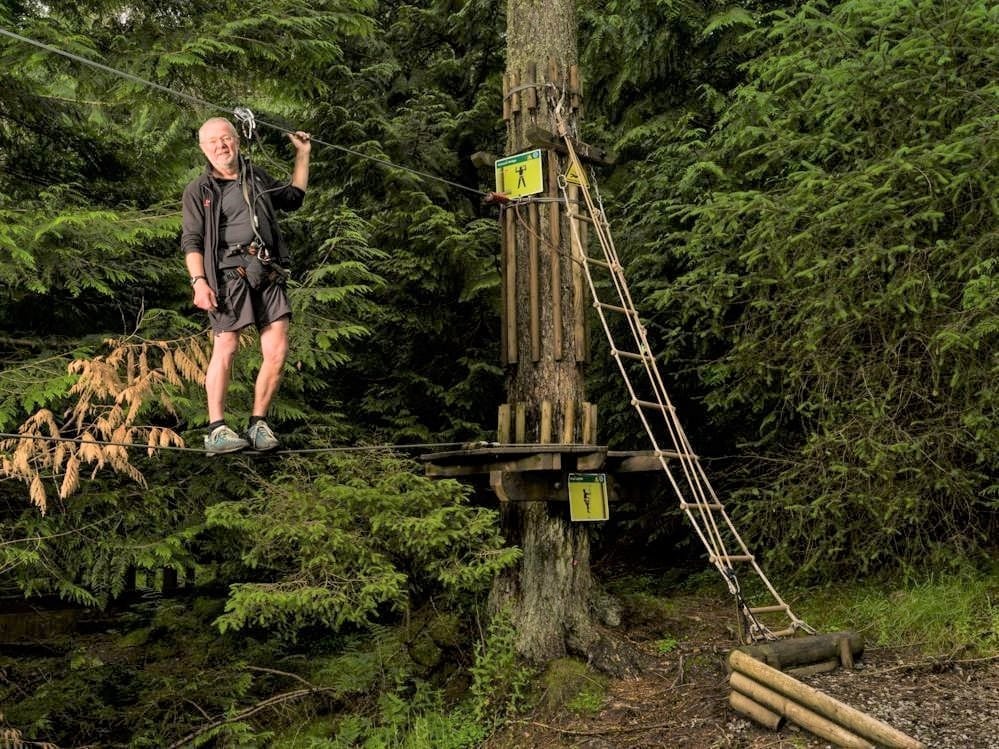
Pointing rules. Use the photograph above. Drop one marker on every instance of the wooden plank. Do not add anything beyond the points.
(514, 93)
(531, 94)
(569, 422)
(538, 137)
(639, 464)
(534, 281)
(555, 240)
(506, 97)
(503, 423)
(510, 267)
(588, 425)
(546, 422)
(575, 88)
(504, 287)
(520, 421)
(594, 461)
(548, 461)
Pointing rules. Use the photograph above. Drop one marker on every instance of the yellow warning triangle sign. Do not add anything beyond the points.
(575, 175)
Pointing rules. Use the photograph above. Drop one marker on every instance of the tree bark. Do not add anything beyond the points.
(549, 594)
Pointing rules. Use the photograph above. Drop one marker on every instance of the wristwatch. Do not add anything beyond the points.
(195, 279)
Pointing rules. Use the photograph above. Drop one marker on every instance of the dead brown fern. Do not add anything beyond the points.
(109, 394)
(11, 738)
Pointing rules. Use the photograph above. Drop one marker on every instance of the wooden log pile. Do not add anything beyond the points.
(770, 697)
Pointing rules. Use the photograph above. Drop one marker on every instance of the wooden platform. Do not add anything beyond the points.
(481, 458)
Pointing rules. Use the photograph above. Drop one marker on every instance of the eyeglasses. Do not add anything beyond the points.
(212, 142)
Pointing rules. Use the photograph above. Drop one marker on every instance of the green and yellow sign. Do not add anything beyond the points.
(588, 496)
(520, 175)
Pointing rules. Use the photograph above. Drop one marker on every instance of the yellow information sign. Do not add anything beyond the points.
(520, 175)
(588, 496)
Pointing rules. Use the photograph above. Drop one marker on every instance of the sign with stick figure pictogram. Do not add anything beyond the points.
(520, 175)
(588, 496)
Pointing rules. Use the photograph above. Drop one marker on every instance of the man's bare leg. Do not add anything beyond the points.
(219, 370)
(274, 347)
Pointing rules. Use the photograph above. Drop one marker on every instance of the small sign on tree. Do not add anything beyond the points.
(520, 175)
(588, 497)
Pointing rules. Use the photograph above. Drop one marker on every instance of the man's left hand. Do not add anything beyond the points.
(301, 140)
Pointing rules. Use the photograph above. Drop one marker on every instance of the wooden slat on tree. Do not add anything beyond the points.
(530, 79)
(553, 71)
(520, 419)
(503, 423)
(555, 239)
(575, 88)
(533, 271)
(514, 93)
(546, 422)
(506, 97)
(569, 422)
(589, 423)
(510, 266)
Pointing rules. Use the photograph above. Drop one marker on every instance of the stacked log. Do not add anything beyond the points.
(767, 695)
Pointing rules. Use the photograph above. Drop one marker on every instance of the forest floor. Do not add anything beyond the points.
(681, 700)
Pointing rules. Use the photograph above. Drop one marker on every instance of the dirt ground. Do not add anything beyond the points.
(682, 699)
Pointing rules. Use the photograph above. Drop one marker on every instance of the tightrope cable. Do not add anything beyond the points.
(183, 448)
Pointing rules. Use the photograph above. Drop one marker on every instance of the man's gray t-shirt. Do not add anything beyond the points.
(235, 225)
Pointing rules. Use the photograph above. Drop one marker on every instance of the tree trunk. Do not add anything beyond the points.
(549, 593)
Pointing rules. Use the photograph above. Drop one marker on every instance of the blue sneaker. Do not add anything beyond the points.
(224, 440)
(261, 437)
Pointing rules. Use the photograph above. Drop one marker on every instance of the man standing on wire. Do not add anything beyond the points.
(237, 260)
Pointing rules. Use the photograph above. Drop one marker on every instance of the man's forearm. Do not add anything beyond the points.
(300, 172)
(195, 263)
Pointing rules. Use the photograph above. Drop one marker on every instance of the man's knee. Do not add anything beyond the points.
(224, 346)
(274, 342)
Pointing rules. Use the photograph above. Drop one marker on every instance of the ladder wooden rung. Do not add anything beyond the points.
(581, 217)
(652, 405)
(616, 308)
(601, 263)
(733, 558)
(768, 609)
(633, 355)
(701, 506)
(784, 632)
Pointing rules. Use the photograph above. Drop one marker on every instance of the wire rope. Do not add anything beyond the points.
(235, 111)
(180, 448)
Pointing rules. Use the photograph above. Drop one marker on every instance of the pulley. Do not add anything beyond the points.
(247, 122)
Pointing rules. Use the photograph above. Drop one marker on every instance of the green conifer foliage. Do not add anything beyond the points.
(350, 540)
(831, 243)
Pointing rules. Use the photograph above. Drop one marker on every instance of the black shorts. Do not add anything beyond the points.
(239, 305)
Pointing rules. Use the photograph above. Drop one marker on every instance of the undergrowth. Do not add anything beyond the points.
(940, 615)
